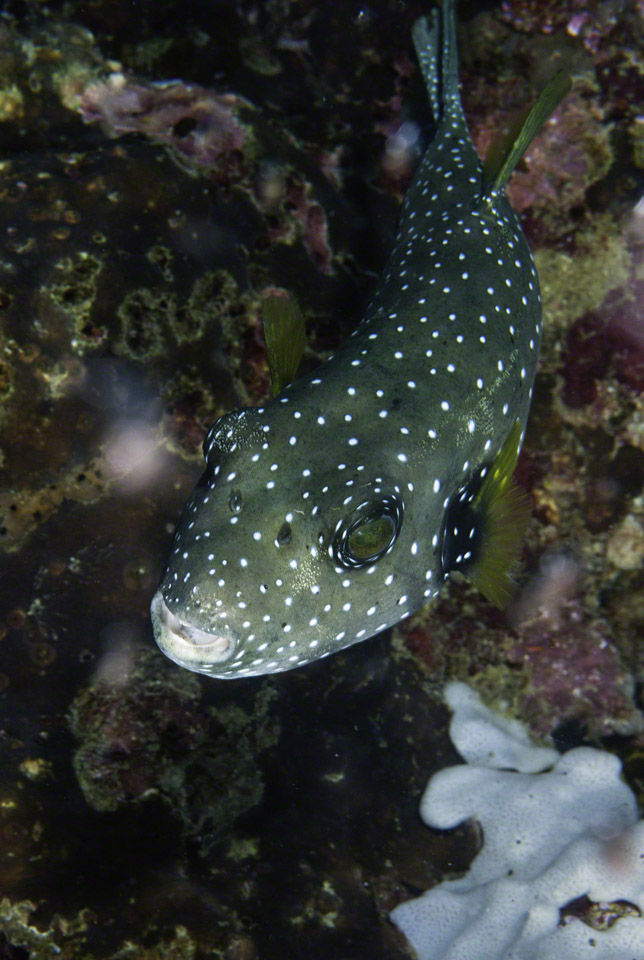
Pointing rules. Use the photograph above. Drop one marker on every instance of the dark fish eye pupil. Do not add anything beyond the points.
(371, 538)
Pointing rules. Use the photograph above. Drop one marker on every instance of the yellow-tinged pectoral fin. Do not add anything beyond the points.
(503, 509)
(285, 338)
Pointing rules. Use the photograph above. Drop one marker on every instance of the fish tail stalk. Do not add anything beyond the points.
(435, 44)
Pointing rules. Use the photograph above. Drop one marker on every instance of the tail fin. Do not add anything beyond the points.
(435, 43)
(503, 156)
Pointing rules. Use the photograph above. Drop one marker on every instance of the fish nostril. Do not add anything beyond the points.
(284, 534)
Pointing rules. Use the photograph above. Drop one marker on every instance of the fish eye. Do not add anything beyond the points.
(368, 532)
(235, 501)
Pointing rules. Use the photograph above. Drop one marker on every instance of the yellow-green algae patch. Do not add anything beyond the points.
(573, 284)
(210, 297)
(69, 936)
(74, 287)
(143, 314)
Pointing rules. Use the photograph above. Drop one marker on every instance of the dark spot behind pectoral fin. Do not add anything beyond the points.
(285, 338)
(503, 510)
(504, 153)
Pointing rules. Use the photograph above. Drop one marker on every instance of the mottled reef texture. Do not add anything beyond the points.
(156, 174)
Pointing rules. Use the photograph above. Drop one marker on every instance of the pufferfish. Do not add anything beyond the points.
(342, 505)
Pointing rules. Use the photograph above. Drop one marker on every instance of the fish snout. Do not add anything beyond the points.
(186, 644)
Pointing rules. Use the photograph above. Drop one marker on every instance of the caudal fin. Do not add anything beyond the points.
(435, 44)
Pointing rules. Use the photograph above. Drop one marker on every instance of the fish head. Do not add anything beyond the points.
(283, 556)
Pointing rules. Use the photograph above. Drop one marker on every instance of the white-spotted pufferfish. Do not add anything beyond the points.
(341, 506)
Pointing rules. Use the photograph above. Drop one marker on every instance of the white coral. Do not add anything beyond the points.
(549, 838)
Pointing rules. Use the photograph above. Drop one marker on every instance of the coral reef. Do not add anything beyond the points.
(134, 723)
(143, 733)
(553, 659)
(199, 126)
(159, 173)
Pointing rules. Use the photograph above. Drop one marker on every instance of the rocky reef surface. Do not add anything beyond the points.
(157, 173)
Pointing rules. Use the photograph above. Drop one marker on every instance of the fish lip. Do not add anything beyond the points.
(184, 643)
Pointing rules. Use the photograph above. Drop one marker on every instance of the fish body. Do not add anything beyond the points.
(341, 506)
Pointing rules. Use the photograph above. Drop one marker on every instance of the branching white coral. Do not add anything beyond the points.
(567, 829)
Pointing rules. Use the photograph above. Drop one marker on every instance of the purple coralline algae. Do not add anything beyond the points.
(602, 343)
(552, 657)
(199, 125)
(134, 723)
(143, 733)
(573, 671)
(312, 223)
(590, 21)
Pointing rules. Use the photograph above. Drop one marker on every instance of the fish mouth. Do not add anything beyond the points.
(187, 645)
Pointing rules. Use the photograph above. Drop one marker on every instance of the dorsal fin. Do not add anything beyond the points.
(285, 338)
(504, 154)
(503, 509)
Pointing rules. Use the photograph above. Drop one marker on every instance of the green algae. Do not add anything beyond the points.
(72, 937)
(74, 290)
(208, 301)
(574, 283)
(144, 314)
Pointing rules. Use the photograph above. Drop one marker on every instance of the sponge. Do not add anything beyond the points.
(566, 830)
